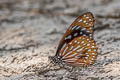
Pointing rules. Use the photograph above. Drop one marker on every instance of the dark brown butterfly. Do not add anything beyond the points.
(77, 47)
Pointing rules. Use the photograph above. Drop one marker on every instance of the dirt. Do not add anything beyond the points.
(30, 31)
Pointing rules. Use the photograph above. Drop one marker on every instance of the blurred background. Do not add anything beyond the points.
(30, 31)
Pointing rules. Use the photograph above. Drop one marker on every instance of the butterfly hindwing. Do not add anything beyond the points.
(81, 51)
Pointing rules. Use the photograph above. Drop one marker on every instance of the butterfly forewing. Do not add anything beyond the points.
(83, 25)
(85, 22)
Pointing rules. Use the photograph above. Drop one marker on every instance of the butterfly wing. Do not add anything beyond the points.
(81, 51)
(83, 25)
(85, 21)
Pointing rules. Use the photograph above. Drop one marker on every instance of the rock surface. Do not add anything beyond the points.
(30, 31)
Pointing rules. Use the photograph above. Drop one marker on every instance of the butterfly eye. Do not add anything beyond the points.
(77, 47)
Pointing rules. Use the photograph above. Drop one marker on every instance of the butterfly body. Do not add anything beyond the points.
(77, 47)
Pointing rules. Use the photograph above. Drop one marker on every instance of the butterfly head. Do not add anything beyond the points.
(56, 60)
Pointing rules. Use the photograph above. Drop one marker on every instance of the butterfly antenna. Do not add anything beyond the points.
(49, 67)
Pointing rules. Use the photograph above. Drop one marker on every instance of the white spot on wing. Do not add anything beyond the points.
(84, 21)
(80, 20)
(86, 48)
(90, 24)
(67, 54)
(92, 59)
(93, 43)
(90, 28)
(93, 56)
(86, 57)
(78, 42)
(82, 42)
(78, 56)
(93, 46)
(76, 48)
(93, 53)
(88, 31)
(68, 37)
(75, 41)
(83, 29)
(90, 38)
(75, 34)
(86, 53)
(95, 50)
(87, 39)
(80, 63)
(72, 55)
(85, 61)
(87, 17)
(65, 50)
(70, 43)
(81, 33)
(91, 35)
(89, 50)
(83, 38)
(80, 49)
(74, 27)
(84, 15)
(71, 47)
(88, 44)
(90, 19)
(78, 27)
(84, 35)
(63, 45)
(91, 62)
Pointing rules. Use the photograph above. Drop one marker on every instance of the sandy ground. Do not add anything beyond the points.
(30, 31)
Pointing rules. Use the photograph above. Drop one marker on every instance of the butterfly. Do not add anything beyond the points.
(77, 46)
